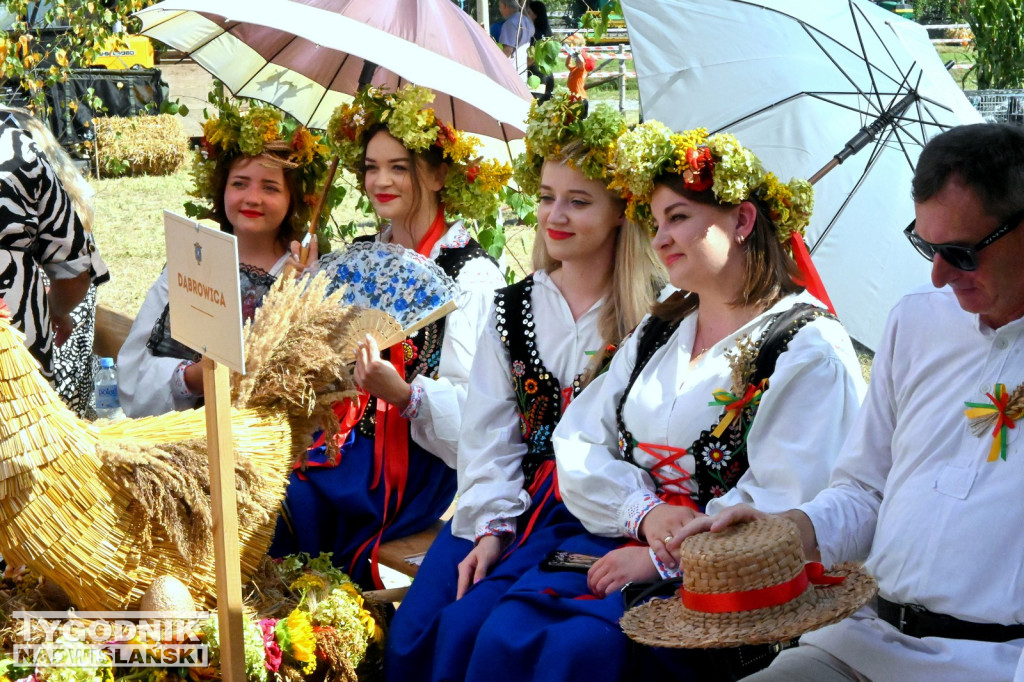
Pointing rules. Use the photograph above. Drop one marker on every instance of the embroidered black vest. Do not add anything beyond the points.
(254, 283)
(719, 462)
(538, 393)
(423, 349)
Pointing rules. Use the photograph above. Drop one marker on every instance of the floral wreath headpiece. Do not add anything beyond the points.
(261, 128)
(561, 121)
(717, 162)
(472, 185)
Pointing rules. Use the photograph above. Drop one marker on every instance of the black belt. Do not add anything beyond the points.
(917, 621)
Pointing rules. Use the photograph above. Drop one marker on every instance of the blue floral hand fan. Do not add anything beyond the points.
(388, 277)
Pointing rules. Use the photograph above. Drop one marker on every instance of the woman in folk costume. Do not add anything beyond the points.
(395, 473)
(546, 338)
(257, 174)
(738, 387)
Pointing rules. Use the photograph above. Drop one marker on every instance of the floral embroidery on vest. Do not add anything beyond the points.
(720, 455)
(539, 397)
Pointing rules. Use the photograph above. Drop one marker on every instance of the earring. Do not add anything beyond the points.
(740, 239)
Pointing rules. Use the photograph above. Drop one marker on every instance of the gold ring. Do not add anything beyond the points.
(668, 539)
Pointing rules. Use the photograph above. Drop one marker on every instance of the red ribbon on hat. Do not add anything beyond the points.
(761, 598)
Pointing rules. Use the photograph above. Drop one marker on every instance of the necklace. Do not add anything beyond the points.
(703, 348)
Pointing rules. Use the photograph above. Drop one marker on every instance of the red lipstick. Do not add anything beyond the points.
(251, 214)
(559, 234)
(385, 198)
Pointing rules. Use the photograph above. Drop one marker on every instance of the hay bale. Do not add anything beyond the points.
(140, 145)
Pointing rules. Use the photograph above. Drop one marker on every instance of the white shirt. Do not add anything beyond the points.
(801, 422)
(914, 492)
(143, 379)
(491, 448)
(517, 32)
(436, 424)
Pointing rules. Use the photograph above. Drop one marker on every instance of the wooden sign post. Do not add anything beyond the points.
(206, 315)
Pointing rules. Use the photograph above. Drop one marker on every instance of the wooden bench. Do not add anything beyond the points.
(404, 555)
(111, 331)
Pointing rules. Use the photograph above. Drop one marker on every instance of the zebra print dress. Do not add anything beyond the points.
(39, 232)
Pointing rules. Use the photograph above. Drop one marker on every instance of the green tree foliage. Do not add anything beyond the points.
(940, 11)
(998, 42)
(37, 63)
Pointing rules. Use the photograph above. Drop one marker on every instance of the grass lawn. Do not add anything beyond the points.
(130, 235)
(963, 59)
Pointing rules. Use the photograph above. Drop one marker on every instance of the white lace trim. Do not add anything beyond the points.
(664, 570)
(496, 527)
(178, 386)
(637, 505)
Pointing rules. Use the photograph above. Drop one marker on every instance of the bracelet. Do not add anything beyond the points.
(415, 400)
(178, 386)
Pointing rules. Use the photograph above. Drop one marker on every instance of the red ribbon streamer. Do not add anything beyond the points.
(349, 413)
(391, 432)
(761, 598)
(545, 471)
(811, 280)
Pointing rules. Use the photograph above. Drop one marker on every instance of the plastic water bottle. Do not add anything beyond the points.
(108, 405)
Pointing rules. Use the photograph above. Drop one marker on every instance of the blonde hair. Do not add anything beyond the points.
(637, 277)
(70, 177)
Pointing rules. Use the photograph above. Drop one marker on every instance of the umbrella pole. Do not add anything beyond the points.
(314, 222)
(866, 135)
(825, 170)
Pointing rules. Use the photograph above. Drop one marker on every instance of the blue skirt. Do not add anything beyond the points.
(335, 509)
(550, 627)
(432, 635)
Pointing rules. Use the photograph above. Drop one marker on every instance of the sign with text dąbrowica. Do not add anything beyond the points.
(202, 283)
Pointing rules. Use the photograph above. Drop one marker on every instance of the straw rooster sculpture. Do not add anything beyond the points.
(102, 509)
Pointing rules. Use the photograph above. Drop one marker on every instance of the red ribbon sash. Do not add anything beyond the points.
(546, 471)
(349, 413)
(762, 598)
(391, 432)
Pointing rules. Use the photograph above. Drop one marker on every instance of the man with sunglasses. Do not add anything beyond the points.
(929, 488)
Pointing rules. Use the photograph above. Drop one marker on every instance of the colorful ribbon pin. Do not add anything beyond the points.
(735, 404)
(995, 412)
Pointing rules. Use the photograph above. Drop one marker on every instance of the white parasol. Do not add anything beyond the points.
(309, 56)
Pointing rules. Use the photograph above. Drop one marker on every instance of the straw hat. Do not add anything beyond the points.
(748, 585)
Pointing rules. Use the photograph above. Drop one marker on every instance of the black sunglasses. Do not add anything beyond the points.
(959, 256)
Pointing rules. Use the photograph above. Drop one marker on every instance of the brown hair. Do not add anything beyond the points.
(771, 272)
(433, 156)
(273, 157)
(637, 277)
(986, 157)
